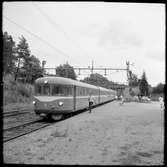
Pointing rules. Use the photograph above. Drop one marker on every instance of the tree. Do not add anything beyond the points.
(66, 71)
(159, 88)
(34, 70)
(143, 85)
(97, 80)
(23, 55)
(9, 51)
(28, 66)
(133, 80)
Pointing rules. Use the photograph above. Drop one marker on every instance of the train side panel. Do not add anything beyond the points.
(82, 95)
(82, 101)
(47, 104)
(105, 98)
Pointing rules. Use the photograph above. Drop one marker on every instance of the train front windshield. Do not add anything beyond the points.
(53, 90)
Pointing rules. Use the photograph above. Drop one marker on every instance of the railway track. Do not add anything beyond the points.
(14, 113)
(13, 119)
(20, 130)
(16, 131)
(29, 127)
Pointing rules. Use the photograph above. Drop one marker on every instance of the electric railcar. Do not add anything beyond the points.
(57, 96)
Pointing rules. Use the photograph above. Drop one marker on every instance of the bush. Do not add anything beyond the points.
(16, 92)
(158, 89)
(24, 89)
(9, 97)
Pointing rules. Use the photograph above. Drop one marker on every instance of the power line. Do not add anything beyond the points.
(36, 36)
(53, 23)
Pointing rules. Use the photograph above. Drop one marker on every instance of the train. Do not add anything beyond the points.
(56, 97)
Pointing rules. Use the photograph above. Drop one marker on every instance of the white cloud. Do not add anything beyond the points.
(108, 33)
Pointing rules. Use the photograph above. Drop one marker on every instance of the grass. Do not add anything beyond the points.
(16, 92)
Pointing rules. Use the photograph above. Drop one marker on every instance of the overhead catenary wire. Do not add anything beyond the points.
(36, 36)
(53, 23)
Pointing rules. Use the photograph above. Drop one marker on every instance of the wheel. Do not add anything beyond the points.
(56, 117)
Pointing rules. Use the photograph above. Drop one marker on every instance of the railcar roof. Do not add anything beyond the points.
(104, 89)
(66, 81)
(63, 81)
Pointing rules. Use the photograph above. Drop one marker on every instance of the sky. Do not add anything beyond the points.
(107, 34)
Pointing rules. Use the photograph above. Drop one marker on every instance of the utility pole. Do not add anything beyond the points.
(79, 72)
(43, 66)
(105, 72)
(129, 72)
(127, 68)
(92, 68)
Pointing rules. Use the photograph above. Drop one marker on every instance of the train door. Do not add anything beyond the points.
(74, 104)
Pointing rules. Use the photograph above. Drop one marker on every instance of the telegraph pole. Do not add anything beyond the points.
(129, 72)
(43, 66)
(92, 68)
(127, 68)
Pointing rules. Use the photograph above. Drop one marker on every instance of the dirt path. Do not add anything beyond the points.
(110, 135)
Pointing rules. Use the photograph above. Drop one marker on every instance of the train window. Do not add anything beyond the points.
(61, 90)
(89, 91)
(55, 90)
(93, 92)
(86, 91)
(83, 91)
(68, 91)
(38, 89)
(77, 91)
(46, 89)
(80, 91)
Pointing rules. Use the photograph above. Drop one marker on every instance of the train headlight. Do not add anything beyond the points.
(34, 102)
(60, 103)
(45, 81)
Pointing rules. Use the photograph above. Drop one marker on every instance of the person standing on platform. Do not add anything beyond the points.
(90, 100)
(161, 100)
(122, 100)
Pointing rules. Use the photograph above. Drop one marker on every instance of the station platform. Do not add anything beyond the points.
(113, 134)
